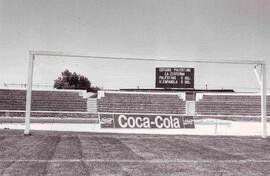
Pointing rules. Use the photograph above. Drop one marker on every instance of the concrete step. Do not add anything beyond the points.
(92, 105)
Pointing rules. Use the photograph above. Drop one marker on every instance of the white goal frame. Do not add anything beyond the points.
(261, 75)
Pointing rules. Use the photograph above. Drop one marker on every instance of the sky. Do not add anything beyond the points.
(169, 29)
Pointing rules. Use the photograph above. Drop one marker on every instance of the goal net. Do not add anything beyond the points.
(223, 91)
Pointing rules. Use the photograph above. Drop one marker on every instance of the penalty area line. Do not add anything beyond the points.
(135, 161)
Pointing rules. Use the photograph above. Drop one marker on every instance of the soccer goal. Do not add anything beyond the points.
(259, 67)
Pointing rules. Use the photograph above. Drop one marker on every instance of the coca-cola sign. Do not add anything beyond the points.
(145, 121)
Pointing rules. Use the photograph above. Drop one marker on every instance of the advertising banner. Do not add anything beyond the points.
(145, 121)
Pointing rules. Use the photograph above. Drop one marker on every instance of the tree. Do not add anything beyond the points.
(93, 89)
(69, 80)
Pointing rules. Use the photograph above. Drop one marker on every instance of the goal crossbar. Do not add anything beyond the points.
(137, 58)
(261, 77)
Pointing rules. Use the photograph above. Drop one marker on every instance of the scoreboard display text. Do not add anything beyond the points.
(145, 121)
(167, 77)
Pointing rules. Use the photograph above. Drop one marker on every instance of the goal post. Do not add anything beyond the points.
(261, 77)
(263, 101)
(29, 93)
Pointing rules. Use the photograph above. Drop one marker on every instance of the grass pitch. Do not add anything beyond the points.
(67, 153)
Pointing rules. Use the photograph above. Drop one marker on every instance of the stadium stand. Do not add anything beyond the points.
(141, 103)
(42, 100)
(70, 104)
(237, 104)
(62, 104)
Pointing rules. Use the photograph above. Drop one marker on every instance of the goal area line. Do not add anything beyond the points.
(134, 161)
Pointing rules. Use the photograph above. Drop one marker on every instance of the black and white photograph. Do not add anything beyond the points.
(134, 87)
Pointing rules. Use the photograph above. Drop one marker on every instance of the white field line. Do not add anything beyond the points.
(51, 118)
(155, 114)
(137, 161)
(52, 112)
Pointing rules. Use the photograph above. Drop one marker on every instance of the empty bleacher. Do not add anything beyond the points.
(12, 102)
(69, 104)
(240, 105)
(141, 103)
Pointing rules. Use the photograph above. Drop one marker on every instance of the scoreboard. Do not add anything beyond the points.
(167, 77)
